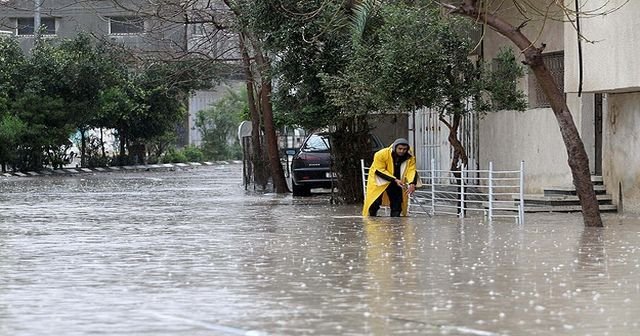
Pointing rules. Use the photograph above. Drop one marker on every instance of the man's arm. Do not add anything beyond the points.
(380, 166)
(385, 176)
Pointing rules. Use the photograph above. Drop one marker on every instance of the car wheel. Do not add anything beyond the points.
(299, 190)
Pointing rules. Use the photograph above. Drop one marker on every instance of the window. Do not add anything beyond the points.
(555, 63)
(317, 143)
(25, 26)
(197, 29)
(126, 25)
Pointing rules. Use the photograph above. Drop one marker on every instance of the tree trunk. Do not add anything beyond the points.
(577, 156)
(123, 139)
(83, 149)
(349, 143)
(257, 159)
(277, 173)
(459, 154)
(104, 152)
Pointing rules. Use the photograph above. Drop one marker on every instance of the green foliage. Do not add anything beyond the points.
(193, 153)
(189, 153)
(410, 57)
(174, 156)
(11, 131)
(502, 80)
(12, 63)
(78, 84)
(309, 38)
(218, 125)
(47, 128)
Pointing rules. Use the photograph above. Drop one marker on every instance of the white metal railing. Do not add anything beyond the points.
(493, 193)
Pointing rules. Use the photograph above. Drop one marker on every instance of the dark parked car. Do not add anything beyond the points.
(311, 166)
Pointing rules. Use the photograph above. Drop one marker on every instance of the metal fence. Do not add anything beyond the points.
(492, 193)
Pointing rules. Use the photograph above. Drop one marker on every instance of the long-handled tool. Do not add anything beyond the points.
(415, 199)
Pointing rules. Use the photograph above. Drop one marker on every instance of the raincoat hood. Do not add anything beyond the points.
(400, 141)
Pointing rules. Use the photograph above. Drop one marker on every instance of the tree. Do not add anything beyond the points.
(85, 74)
(48, 121)
(146, 103)
(258, 69)
(308, 41)
(478, 11)
(406, 57)
(12, 61)
(11, 131)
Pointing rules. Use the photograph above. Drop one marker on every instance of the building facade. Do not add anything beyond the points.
(146, 31)
(602, 89)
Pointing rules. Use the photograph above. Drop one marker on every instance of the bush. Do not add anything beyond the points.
(173, 156)
(193, 153)
(152, 159)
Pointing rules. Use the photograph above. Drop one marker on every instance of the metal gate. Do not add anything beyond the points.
(428, 137)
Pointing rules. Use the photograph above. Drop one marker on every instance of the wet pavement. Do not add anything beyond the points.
(191, 252)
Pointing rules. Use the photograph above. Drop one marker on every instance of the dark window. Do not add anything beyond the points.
(126, 25)
(197, 29)
(555, 63)
(25, 26)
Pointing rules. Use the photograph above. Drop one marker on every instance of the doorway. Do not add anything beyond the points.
(598, 134)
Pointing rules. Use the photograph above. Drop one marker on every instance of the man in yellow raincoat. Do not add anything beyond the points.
(393, 170)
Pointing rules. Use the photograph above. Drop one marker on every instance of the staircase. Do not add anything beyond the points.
(564, 199)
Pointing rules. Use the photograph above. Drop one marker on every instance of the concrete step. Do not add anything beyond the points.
(553, 191)
(568, 208)
(597, 180)
(551, 208)
(559, 200)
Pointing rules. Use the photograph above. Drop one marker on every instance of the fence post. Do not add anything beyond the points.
(462, 173)
(433, 187)
(490, 191)
(521, 205)
(364, 183)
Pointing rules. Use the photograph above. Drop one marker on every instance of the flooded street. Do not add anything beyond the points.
(191, 252)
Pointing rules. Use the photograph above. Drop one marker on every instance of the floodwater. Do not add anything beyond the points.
(192, 253)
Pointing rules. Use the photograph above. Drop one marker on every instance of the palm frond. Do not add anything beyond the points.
(362, 12)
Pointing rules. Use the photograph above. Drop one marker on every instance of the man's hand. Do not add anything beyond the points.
(399, 183)
(411, 189)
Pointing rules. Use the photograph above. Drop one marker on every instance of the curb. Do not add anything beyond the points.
(73, 171)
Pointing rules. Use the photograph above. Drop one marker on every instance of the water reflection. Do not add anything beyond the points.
(390, 265)
(591, 258)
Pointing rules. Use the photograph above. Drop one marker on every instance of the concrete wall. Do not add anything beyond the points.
(507, 137)
(389, 127)
(201, 100)
(611, 63)
(538, 30)
(621, 145)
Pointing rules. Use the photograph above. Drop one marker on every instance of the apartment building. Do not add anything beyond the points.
(602, 89)
(148, 29)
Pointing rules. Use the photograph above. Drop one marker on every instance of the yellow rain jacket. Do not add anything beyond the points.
(383, 162)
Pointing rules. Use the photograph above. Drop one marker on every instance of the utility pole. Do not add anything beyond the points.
(36, 19)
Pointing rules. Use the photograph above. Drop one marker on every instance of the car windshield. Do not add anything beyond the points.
(317, 143)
